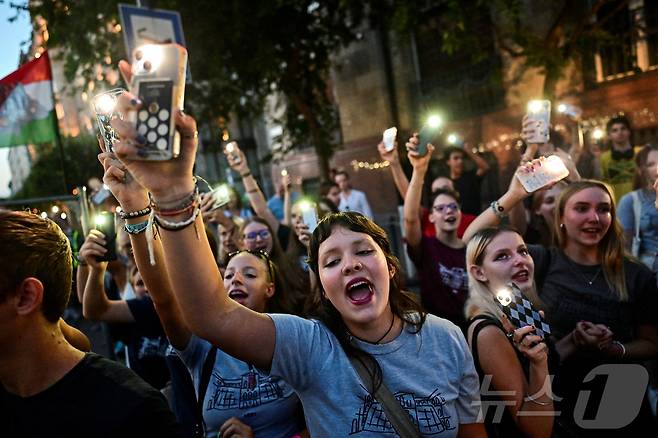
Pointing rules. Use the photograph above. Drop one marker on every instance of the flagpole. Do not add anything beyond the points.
(58, 137)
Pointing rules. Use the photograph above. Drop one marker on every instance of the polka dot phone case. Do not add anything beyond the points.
(159, 82)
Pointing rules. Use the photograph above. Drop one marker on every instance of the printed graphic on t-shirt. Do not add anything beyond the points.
(249, 391)
(427, 413)
(454, 278)
(149, 347)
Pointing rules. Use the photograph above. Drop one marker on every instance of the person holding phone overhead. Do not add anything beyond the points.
(590, 290)
(440, 258)
(369, 333)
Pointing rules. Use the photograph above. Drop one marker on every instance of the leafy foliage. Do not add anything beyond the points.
(46, 176)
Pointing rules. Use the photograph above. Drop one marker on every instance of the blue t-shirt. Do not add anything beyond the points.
(648, 218)
(431, 373)
(236, 389)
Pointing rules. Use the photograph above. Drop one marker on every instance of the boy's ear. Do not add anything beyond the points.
(29, 296)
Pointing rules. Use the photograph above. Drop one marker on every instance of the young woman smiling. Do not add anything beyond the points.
(428, 364)
(590, 289)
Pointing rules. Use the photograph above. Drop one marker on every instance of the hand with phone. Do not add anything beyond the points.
(167, 180)
(236, 158)
(527, 342)
(390, 155)
(93, 249)
(537, 121)
(419, 162)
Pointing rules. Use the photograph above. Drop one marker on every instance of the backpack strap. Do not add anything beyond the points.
(206, 372)
(397, 416)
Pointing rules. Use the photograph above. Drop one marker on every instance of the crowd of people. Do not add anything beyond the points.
(242, 320)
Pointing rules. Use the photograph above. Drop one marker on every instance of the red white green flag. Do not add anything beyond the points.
(27, 111)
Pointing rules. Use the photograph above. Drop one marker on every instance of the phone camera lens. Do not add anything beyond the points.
(138, 55)
(147, 65)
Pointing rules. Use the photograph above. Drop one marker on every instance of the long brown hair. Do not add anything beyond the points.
(611, 247)
(402, 304)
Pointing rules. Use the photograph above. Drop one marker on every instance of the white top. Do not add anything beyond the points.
(356, 201)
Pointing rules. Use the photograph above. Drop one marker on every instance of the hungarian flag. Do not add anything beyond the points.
(27, 111)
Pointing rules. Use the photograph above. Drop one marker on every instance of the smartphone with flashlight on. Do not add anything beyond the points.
(428, 133)
(539, 111)
(232, 149)
(105, 223)
(159, 81)
(309, 214)
(221, 196)
(104, 106)
(552, 170)
(388, 137)
(520, 310)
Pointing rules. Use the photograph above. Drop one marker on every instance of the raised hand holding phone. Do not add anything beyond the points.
(539, 115)
(428, 133)
(543, 172)
(166, 180)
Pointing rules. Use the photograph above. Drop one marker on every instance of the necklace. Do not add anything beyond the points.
(378, 340)
(573, 267)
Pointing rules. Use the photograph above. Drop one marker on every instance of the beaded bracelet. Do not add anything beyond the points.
(498, 209)
(136, 228)
(135, 214)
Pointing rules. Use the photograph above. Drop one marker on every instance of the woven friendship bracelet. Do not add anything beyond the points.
(190, 207)
(135, 214)
(136, 228)
(179, 204)
(177, 226)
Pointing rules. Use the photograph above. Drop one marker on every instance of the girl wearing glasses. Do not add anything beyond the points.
(257, 235)
(440, 259)
(362, 314)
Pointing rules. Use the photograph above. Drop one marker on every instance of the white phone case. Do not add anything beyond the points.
(542, 116)
(552, 170)
(389, 138)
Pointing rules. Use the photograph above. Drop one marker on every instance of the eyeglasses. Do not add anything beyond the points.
(258, 253)
(264, 234)
(440, 208)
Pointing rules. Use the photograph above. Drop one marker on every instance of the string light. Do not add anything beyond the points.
(356, 165)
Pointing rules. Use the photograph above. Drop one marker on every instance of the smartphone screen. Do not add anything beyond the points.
(539, 111)
(105, 223)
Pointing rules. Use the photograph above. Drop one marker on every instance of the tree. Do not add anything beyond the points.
(46, 176)
(240, 53)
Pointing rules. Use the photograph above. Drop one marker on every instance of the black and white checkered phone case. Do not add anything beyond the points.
(520, 310)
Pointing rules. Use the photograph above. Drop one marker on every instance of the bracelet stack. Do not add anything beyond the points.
(188, 204)
(136, 228)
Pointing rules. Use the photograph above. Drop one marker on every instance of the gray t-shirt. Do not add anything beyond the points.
(648, 218)
(431, 374)
(266, 404)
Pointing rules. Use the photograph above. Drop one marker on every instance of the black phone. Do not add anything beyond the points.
(428, 134)
(520, 310)
(106, 224)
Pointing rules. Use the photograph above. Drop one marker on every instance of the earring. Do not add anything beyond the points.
(562, 226)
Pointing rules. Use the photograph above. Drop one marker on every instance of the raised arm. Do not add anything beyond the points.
(132, 198)
(254, 193)
(514, 195)
(95, 304)
(194, 275)
(399, 178)
(412, 225)
(286, 180)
